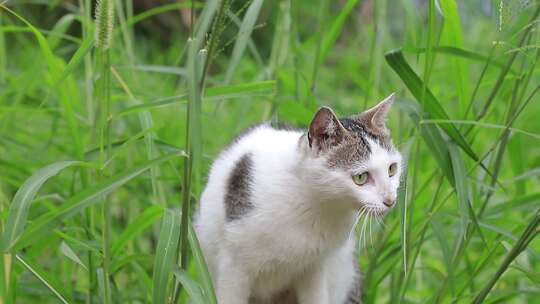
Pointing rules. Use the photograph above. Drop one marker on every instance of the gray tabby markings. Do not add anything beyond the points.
(355, 148)
(237, 198)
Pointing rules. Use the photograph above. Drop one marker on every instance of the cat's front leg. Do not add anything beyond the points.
(312, 287)
(233, 281)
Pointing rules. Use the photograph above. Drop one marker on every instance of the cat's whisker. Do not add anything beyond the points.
(358, 215)
(380, 218)
(377, 219)
(363, 232)
(361, 213)
(370, 232)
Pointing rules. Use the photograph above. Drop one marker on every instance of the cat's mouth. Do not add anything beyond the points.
(374, 211)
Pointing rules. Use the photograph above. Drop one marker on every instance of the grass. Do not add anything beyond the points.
(104, 150)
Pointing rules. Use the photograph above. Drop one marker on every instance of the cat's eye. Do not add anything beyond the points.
(360, 179)
(392, 169)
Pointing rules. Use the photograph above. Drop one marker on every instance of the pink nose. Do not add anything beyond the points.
(389, 202)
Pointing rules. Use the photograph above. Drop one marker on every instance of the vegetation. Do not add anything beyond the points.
(109, 123)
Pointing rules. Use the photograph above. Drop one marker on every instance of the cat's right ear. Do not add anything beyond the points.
(325, 130)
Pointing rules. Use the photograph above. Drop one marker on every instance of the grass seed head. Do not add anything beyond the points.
(104, 23)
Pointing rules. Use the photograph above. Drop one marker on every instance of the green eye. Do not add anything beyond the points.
(360, 179)
(392, 169)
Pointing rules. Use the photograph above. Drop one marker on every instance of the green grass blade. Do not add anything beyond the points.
(431, 106)
(244, 33)
(207, 284)
(146, 219)
(77, 58)
(70, 254)
(336, 27)
(433, 139)
(3, 53)
(460, 175)
(461, 53)
(55, 65)
(86, 245)
(204, 21)
(59, 29)
(402, 201)
(119, 263)
(193, 289)
(452, 34)
(86, 198)
(522, 201)
(241, 90)
(527, 236)
(18, 211)
(166, 252)
(244, 90)
(438, 231)
(42, 276)
(102, 285)
(156, 11)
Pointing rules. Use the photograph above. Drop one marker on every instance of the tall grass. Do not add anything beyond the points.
(107, 133)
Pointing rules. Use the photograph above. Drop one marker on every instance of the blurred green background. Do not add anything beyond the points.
(102, 148)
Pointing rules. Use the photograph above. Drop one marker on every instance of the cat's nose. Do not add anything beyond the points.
(389, 201)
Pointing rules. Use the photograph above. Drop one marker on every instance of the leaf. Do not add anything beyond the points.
(403, 199)
(86, 198)
(523, 201)
(59, 29)
(193, 288)
(55, 66)
(117, 264)
(70, 254)
(143, 221)
(445, 248)
(157, 69)
(42, 276)
(243, 90)
(94, 247)
(332, 35)
(18, 211)
(198, 256)
(462, 191)
(82, 51)
(458, 52)
(102, 285)
(431, 107)
(432, 137)
(248, 23)
(166, 252)
(526, 237)
(204, 21)
(155, 11)
(452, 34)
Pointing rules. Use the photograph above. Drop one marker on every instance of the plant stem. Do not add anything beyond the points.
(526, 237)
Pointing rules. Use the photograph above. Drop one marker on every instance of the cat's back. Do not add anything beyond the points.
(257, 147)
(260, 152)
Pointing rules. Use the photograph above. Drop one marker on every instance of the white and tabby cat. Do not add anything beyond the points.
(275, 217)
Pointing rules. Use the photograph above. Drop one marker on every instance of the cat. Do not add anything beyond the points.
(276, 216)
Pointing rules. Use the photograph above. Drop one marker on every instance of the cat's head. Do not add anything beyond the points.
(359, 164)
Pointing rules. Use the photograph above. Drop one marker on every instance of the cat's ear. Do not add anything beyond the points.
(376, 116)
(325, 130)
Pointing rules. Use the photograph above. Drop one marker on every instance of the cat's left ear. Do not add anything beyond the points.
(325, 130)
(376, 116)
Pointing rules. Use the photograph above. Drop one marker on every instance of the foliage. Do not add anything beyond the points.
(105, 145)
